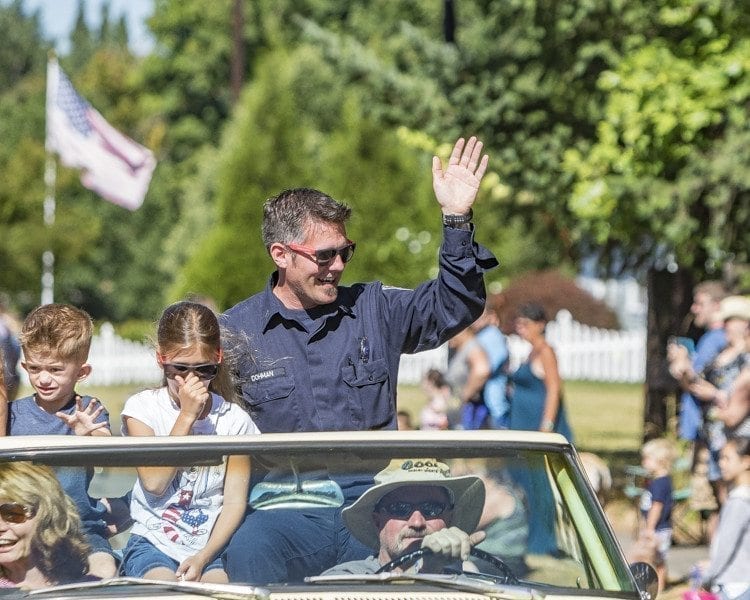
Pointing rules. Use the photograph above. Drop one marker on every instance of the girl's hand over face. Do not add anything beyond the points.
(194, 395)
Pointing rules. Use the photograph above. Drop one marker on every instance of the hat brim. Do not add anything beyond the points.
(468, 494)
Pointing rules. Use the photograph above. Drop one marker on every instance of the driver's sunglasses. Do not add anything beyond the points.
(207, 371)
(404, 510)
(325, 256)
(14, 512)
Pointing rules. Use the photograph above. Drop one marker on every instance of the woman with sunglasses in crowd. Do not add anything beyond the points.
(185, 516)
(41, 540)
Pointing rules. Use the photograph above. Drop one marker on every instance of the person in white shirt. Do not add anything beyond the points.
(184, 517)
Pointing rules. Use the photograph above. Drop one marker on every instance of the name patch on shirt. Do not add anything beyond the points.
(268, 374)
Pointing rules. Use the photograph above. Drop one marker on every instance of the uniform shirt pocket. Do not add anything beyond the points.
(370, 393)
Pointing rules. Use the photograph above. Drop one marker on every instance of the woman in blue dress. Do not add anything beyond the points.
(536, 404)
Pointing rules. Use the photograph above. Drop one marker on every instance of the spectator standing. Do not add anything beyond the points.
(467, 372)
(657, 457)
(714, 384)
(707, 297)
(434, 415)
(322, 357)
(493, 342)
(3, 401)
(10, 349)
(56, 339)
(537, 393)
(536, 404)
(184, 517)
(729, 556)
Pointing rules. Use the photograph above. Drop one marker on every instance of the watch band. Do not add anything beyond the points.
(457, 220)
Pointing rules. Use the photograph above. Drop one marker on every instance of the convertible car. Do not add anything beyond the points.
(545, 532)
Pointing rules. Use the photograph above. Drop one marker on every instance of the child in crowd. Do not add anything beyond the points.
(657, 457)
(727, 573)
(434, 415)
(185, 516)
(55, 339)
(404, 420)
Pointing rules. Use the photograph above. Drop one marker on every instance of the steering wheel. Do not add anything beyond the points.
(411, 557)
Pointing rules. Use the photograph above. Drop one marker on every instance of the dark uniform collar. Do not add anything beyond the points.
(275, 312)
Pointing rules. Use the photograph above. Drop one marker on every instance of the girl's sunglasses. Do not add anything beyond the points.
(14, 512)
(207, 371)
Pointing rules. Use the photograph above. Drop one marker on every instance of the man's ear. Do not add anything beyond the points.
(279, 255)
(84, 371)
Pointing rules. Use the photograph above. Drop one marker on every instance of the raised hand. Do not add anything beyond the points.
(83, 420)
(456, 188)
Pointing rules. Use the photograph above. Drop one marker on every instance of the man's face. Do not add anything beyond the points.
(704, 308)
(304, 283)
(53, 378)
(403, 533)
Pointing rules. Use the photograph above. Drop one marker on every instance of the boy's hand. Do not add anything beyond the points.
(194, 396)
(83, 420)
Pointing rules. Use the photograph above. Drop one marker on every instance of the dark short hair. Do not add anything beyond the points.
(286, 216)
(533, 311)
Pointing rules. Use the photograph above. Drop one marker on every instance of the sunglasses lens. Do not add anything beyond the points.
(347, 252)
(323, 257)
(14, 512)
(431, 509)
(207, 371)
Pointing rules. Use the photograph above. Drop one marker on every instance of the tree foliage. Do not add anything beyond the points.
(667, 174)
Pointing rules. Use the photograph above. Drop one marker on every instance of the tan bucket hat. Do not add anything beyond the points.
(467, 493)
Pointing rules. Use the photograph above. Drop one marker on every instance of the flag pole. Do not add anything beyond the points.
(50, 178)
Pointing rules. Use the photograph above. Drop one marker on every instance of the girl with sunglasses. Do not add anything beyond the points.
(183, 517)
(40, 530)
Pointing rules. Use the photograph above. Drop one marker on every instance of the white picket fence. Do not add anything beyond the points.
(583, 353)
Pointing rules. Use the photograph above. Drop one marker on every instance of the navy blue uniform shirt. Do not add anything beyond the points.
(335, 367)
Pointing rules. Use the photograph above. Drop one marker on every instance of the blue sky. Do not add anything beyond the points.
(58, 17)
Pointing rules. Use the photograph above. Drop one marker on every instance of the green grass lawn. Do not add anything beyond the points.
(606, 417)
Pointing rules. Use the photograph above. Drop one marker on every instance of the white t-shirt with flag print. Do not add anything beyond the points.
(179, 522)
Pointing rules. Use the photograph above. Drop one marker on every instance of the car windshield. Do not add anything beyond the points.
(543, 527)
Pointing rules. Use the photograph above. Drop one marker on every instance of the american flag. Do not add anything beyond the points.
(112, 165)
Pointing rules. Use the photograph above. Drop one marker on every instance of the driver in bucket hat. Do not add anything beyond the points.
(415, 503)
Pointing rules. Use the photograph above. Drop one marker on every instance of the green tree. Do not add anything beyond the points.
(666, 180)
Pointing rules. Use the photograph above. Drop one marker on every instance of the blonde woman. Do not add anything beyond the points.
(43, 543)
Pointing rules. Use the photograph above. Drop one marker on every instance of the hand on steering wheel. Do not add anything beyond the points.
(411, 557)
